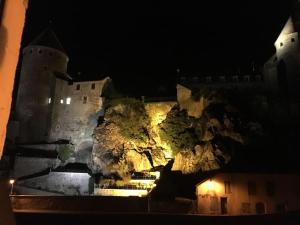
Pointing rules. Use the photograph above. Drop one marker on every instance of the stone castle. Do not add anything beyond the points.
(51, 106)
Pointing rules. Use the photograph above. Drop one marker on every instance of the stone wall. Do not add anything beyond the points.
(76, 109)
(25, 166)
(68, 183)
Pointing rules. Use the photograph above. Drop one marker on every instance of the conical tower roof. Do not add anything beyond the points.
(48, 39)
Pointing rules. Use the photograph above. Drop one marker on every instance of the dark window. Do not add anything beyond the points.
(40, 51)
(31, 51)
(78, 87)
(281, 44)
(45, 67)
(281, 208)
(251, 188)
(93, 85)
(270, 188)
(293, 39)
(84, 99)
(50, 53)
(224, 205)
(246, 207)
(227, 187)
(260, 208)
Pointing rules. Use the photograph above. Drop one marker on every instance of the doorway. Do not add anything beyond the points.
(224, 205)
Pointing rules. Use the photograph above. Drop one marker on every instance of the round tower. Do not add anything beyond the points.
(43, 60)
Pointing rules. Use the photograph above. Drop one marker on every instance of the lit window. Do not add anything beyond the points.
(61, 101)
(78, 87)
(93, 86)
(68, 101)
(84, 99)
(49, 100)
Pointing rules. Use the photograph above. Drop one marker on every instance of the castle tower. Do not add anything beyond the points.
(282, 70)
(43, 60)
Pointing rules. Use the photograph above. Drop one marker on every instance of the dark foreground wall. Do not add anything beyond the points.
(153, 219)
(78, 203)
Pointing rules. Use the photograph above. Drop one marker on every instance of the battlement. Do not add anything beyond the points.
(221, 79)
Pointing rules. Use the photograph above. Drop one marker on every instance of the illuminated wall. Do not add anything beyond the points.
(76, 109)
(120, 192)
(239, 201)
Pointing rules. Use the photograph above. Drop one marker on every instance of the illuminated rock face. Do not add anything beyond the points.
(193, 107)
(205, 158)
(136, 137)
(118, 149)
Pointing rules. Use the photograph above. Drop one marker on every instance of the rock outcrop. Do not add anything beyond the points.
(200, 135)
(204, 158)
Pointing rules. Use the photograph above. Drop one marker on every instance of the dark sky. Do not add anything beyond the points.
(143, 42)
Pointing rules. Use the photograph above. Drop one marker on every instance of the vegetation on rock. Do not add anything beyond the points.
(135, 137)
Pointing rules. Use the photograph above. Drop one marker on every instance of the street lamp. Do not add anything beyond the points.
(11, 181)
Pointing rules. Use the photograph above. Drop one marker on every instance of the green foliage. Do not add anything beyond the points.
(178, 130)
(64, 153)
(130, 116)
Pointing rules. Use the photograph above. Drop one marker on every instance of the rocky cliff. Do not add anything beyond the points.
(138, 137)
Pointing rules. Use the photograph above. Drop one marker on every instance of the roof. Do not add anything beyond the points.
(48, 39)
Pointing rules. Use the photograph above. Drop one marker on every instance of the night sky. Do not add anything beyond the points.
(140, 44)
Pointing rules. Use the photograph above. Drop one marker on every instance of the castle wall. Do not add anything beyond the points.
(68, 183)
(36, 87)
(76, 109)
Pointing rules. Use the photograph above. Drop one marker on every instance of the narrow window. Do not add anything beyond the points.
(251, 188)
(281, 44)
(78, 87)
(84, 99)
(68, 101)
(281, 208)
(246, 207)
(49, 100)
(293, 39)
(93, 86)
(61, 101)
(270, 189)
(227, 187)
(40, 51)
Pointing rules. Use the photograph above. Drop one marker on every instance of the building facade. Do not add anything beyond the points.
(248, 193)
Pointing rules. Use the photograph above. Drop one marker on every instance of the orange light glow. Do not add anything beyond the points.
(210, 187)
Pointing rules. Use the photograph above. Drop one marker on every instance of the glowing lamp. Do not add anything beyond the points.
(210, 185)
(11, 181)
